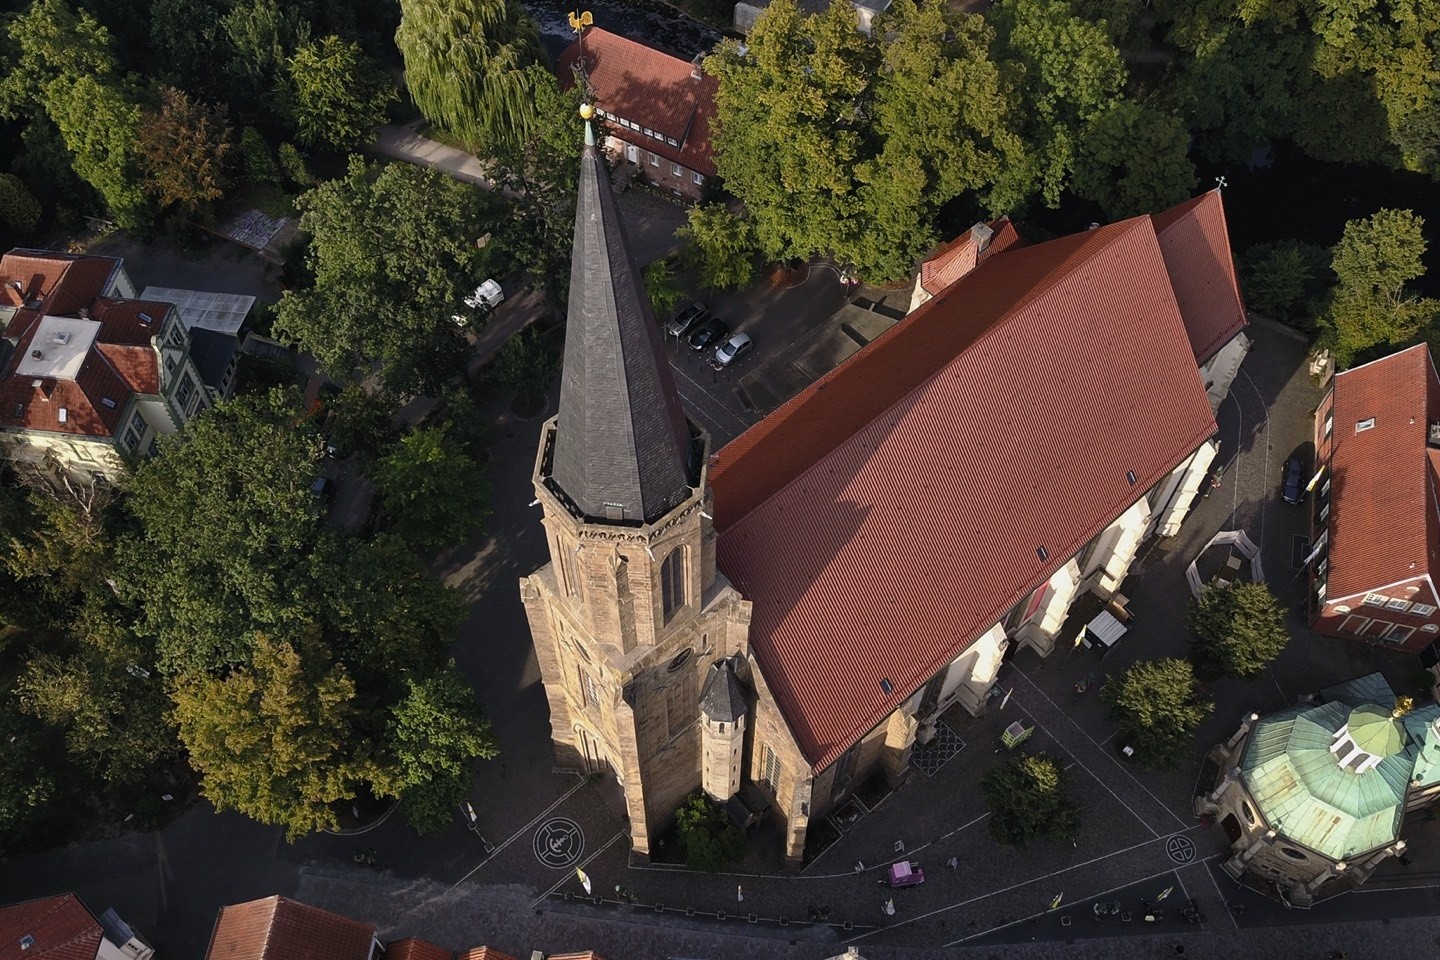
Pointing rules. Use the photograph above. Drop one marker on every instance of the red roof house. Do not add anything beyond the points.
(981, 443)
(278, 928)
(1375, 511)
(657, 107)
(62, 928)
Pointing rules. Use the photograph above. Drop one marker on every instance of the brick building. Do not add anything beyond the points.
(1375, 512)
(89, 374)
(657, 109)
(810, 599)
(63, 928)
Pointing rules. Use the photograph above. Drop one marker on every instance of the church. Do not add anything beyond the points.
(775, 621)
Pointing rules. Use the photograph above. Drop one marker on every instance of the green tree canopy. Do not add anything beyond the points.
(527, 364)
(465, 67)
(1158, 707)
(100, 124)
(183, 144)
(1237, 629)
(710, 840)
(722, 244)
(340, 94)
(1069, 73)
(846, 145)
(226, 518)
(1028, 801)
(1371, 304)
(277, 739)
(1131, 159)
(437, 732)
(19, 210)
(263, 35)
(393, 253)
(51, 41)
(1285, 280)
(433, 490)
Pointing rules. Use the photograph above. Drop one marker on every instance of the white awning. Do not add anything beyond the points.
(1104, 630)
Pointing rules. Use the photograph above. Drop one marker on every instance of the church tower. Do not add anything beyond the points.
(630, 613)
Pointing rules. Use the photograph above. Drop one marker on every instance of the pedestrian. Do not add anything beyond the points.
(739, 894)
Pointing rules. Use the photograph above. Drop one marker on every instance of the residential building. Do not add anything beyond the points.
(89, 374)
(1375, 513)
(1313, 798)
(657, 109)
(861, 559)
(1195, 245)
(278, 928)
(61, 928)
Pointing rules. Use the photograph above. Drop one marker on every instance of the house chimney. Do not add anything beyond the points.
(84, 313)
(537, 955)
(980, 234)
(697, 69)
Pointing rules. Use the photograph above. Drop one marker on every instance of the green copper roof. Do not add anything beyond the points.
(1375, 731)
(1305, 795)
(1421, 726)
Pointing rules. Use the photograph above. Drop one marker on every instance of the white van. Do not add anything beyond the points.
(486, 297)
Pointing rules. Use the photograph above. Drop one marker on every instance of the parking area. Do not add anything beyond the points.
(802, 326)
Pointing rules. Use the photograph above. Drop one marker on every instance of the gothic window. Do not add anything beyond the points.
(672, 582)
(770, 770)
(588, 688)
(680, 707)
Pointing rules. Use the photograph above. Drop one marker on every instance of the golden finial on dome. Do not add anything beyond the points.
(586, 111)
(1403, 706)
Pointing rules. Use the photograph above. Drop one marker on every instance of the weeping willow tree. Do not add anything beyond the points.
(465, 65)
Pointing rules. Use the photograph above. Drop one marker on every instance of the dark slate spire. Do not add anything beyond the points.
(621, 444)
(723, 697)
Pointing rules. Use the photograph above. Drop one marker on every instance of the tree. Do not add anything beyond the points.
(1131, 160)
(1285, 280)
(263, 35)
(1238, 629)
(434, 492)
(660, 287)
(437, 732)
(257, 163)
(466, 67)
(1371, 304)
(526, 364)
(103, 695)
(711, 842)
(183, 145)
(1069, 73)
(52, 42)
(846, 145)
(58, 548)
(276, 739)
(723, 245)
(188, 39)
(28, 772)
(1028, 801)
(100, 124)
(226, 523)
(393, 253)
(19, 210)
(340, 94)
(362, 422)
(1158, 708)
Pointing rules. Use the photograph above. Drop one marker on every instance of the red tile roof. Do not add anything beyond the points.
(63, 282)
(413, 948)
(1382, 495)
(653, 89)
(61, 927)
(277, 928)
(486, 953)
(893, 511)
(121, 361)
(959, 256)
(1196, 247)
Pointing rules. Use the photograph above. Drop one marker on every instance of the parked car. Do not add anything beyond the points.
(690, 313)
(1292, 482)
(323, 489)
(486, 297)
(732, 350)
(708, 334)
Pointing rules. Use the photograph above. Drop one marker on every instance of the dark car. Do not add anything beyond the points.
(1292, 485)
(708, 334)
(322, 489)
(690, 313)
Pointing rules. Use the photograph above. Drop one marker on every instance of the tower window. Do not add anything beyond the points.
(672, 582)
(770, 770)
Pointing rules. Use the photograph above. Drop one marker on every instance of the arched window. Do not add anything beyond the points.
(672, 582)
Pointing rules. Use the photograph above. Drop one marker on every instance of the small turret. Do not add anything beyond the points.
(723, 706)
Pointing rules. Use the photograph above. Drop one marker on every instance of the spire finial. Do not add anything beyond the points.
(586, 113)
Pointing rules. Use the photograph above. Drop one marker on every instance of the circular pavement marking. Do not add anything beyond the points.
(559, 842)
(1180, 848)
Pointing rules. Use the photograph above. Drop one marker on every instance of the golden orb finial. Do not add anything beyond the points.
(586, 111)
(1403, 706)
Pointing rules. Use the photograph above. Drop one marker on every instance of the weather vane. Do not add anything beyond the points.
(578, 22)
(1220, 181)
